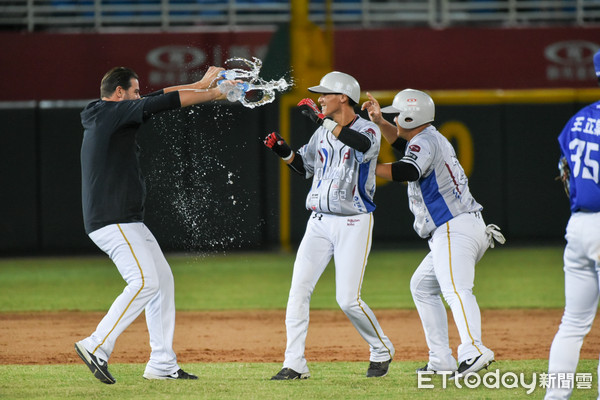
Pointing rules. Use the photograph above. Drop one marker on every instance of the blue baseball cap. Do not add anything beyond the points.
(597, 63)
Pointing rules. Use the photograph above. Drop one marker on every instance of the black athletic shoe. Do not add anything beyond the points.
(475, 364)
(179, 374)
(378, 369)
(288, 374)
(98, 367)
(425, 369)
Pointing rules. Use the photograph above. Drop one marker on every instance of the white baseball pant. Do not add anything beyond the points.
(582, 290)
(348, 240)
(150, 286)
(449, 270)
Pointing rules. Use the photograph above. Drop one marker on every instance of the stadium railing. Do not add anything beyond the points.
(36, 15)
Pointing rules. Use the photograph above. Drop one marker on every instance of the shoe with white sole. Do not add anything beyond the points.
(98, 366)
(288, 374)
(474, 365)
(179, 374)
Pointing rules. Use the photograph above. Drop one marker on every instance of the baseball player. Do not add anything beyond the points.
(341, 158)
(580, 164)
(449, 217)
(113, 194)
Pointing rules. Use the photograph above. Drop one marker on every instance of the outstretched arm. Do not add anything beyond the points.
(388, 130)
(209, 80)
(398, 171)
(279, 146)
(199, 92)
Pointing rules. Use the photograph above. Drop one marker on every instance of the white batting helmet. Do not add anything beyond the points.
(338, 82)
(415, 108)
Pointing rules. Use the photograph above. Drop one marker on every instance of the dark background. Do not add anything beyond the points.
(212, 185)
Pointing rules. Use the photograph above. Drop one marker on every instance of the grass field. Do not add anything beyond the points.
(506, 278)
(247, 381)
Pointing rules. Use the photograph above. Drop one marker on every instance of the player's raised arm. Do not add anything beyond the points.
(346, 135)
(209, 80)
(191, 97)
(201, 91)
(388, 130)
(279, 146)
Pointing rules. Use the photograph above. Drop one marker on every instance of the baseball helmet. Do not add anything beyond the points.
(338, 82)
(415, 108)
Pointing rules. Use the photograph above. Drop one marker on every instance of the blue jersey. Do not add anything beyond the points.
(580, 145)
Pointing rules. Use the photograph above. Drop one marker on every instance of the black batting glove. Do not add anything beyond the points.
(312, 111)
(276, 143)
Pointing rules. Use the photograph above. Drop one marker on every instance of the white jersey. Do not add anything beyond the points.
(441, 192)
(343, 178)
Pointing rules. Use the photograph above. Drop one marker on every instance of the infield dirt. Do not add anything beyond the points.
(259, 336)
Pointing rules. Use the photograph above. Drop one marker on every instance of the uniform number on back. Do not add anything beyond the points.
(590, 165)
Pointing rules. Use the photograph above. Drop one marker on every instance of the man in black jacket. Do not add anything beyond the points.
(113, 195)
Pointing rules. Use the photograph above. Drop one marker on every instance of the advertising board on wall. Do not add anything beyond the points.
(49, 66)
(571, 60)
(471, 58)
(52, 66)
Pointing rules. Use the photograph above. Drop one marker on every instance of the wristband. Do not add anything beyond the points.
(329, 124)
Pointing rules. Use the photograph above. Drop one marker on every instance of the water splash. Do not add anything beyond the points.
(194, 193)
(254, 91)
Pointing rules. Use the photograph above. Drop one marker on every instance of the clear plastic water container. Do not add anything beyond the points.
(234, 92)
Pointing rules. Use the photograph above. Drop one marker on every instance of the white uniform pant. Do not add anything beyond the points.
(582, 265)
(150, 287)
(449, 270)
(348, 240)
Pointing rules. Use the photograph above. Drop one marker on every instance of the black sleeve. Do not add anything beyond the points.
(354, 139)
(404, 172)
(158, 92)
(297, 165)
(399, 145)
(158, 103)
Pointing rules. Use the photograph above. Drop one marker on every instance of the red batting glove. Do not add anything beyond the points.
(313, 106)
(276, 143)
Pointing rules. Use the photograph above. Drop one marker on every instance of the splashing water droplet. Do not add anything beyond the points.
(265, 90)
(186, 191)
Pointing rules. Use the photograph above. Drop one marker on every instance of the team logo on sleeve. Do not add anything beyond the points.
(414, 148)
